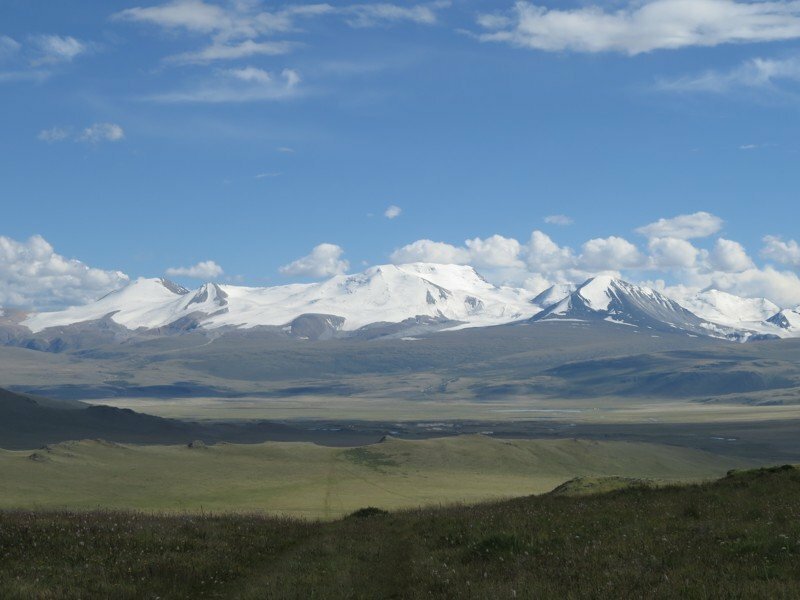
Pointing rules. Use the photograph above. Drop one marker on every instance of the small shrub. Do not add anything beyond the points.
(369, 511)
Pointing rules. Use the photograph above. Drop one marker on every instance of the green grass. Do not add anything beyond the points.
(306, 480)
(738, 537)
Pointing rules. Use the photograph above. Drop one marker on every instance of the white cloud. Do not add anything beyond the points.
(611, 253)
(430, 251)
(781, 287)
(644, 26)
(247, 84)
(730, 257)
(220, 51)
(672, 253)
(753, 73)
(325, 260)
(370, 15)
(544, 255)
(285, 150)
(102, 132)
(239, 29)
(495, 252)
(206, 269)
(94, 134)
(52, 49)
(54, 134)
(558, 220)
(33, 275)
(392, 212)
(787, 253)
(686, 227)
(191, 15)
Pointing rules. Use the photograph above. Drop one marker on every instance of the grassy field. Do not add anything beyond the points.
(371, 408)
(306, 480)
(735, 538)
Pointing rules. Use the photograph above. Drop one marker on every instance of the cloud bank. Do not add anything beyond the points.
(642, 27)
(33, 275)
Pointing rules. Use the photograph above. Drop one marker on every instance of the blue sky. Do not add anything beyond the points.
(149, 137)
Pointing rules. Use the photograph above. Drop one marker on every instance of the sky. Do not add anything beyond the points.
(261, 143)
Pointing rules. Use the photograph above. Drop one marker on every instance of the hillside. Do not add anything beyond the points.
(733, 538)
(308, 480)
(31, 422)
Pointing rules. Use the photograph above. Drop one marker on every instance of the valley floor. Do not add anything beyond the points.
(738, 537)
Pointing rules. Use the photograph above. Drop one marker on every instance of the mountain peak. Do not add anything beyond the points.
(599, 291)
(606, 298)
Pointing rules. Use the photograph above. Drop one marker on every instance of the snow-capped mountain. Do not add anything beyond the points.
(554, 294)
(728, 309)
(616, 301)
(383, 294)
(390, 300)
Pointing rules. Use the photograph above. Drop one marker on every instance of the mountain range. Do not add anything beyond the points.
(388, 301)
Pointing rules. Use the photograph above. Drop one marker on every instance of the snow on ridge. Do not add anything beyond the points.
(395, 293)
(597, 292)
(385, 293)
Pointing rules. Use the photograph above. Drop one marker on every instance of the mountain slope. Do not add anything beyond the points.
(143, 303)
(608, 299)
(788, 320)
(728, 309)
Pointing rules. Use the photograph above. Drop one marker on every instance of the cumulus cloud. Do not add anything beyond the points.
(781, 287)
(33, 275)
(541, 261)
(644, 26)
(430, 251)
(730, 257)
(206, 269)
(685, 227)
(543, 255)
(558, 220)
(754, 73)
(325, 260)
(672, 253)
(495, 252)
(786, 253)
(392, 212)
(611, 253)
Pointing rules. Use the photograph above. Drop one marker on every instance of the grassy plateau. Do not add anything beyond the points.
(738, 537)
(318, 482)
